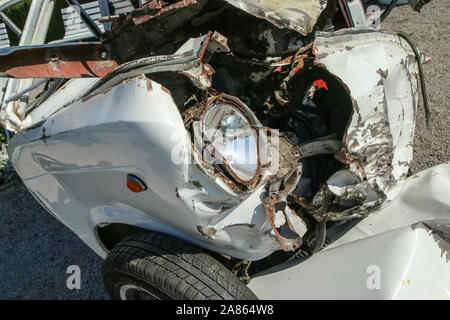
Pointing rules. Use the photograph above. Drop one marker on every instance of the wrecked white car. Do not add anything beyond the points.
(206, 149)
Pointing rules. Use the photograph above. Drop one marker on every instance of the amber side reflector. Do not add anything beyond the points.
(135, 184)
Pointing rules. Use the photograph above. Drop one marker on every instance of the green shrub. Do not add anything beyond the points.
(2, 136)
(18, 14)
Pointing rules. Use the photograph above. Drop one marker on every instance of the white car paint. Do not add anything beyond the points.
(390, 244)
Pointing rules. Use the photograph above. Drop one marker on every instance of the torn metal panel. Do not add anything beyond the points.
(155, 9)
(276, 208)
(287, 226)
(439, 230)
(62, 97)
(147, 29)
(213, 42)
(423, 197)
(160, 29)
(187, 60)
(298, 15)
(378, 142)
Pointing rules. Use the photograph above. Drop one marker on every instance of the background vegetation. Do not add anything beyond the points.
(18, 14)
(2, 136)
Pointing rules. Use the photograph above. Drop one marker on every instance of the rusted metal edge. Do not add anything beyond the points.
(72, 60)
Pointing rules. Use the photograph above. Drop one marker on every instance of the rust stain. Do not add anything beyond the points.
(149, 85)
(221, 40)
(165, 90)
(147, 13)
(96, 94)
(57, 61)
(270, 206)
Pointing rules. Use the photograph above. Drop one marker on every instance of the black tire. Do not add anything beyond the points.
(152, 265)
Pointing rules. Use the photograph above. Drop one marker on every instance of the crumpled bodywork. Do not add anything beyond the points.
(56, 159)
(373, 160)
(377, 146)
(331, 141)
(298, 15)
(265, 27)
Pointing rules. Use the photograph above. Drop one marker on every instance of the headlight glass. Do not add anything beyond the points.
(234, 139)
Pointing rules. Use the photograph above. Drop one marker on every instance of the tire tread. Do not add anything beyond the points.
(179, 269)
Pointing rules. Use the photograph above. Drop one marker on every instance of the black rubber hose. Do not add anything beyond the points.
(305, 121)
(321, 234)
(388, 10)
(422, 80)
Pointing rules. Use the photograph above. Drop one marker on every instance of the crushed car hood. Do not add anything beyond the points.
(298, 15)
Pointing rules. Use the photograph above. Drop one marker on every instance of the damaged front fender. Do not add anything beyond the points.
(380, 72)
(130, 111)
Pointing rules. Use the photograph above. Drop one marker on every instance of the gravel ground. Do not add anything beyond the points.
(430, 31)
(36, 249)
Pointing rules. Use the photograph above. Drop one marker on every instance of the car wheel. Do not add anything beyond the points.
(153, 266)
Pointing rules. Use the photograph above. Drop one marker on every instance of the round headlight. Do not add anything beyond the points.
(231, 131)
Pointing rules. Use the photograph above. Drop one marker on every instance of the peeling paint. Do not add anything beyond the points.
(370, 150)
(439, 230)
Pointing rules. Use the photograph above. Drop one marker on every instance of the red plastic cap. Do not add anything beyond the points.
(321, 84)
